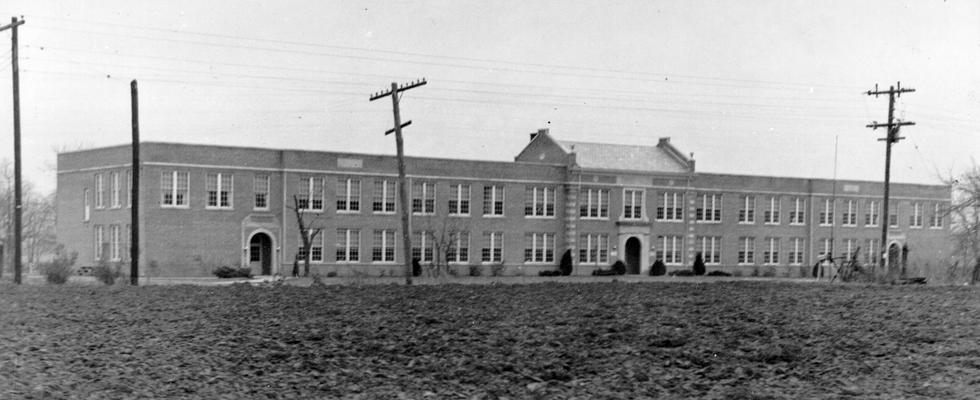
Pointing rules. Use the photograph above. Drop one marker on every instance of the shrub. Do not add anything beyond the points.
(719, 273)
(416, 267)
(737, 273)
(232, 272)
(59, 268)
(769, 272)
(106, 273)
(804, 271)
(619, 268)
(566, 263)
(604, 272)
(476, 270)
(698, 268)
(755, 271)
(681, 272)
(331, 274)
(549, 273)
(497, 270)
(658, 268)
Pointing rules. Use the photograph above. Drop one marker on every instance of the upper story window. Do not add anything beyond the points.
(771, 216)
(493, 200)
(423, 198)
(86, 205)
(459, 199)
(260, 188)
(539, 201)
(175, 189)
(129, 188)
(827, 213)
(594, 203)
(746, 214)
(670, 207)
(348, 195)
(632, 203)
(893, 215)
(219, 190)
(849, 217)
(309, 194)
(915, 219)
(708, 208)
(797, 215)
(99, 192)
(114, 190)
(872, 210)
(384, 197)
(936, 221)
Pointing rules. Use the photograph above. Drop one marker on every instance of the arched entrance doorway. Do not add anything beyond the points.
(894, 257)
(260, 253)
(632, 256)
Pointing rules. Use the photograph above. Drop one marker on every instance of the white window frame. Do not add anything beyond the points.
(458, 198)
(773, 209)
(316, 243)
(86, 205)
(539, 202)
(496, 198)
(99, 192)
(114, 200)
(383, 248)
(915, 219)
(895, 214)
(872, 215)
(633, 201)
(826, 215)
(493, 248)
(261, 186)
(709, 212)
(746, 214)
(670, 249)
(385, 200)
(826, 246)
(459, 252)
(710, 247)
(770, 256)
(849, 217)
(424, 197)
(799, 249)
(539, 248)
(129, 188)
(220, 181)
(593, 249)
(798, 215)
(174, 190)
(849, 246)
(99, 240)
(114, 243)
(422, 247)
(872, 253)
(936, 222)
(671, 207)
(348, 245)
(595, 199)
(746, 250)
(348, 200)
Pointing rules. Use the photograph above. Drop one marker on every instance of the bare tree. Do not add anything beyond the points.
(965, 219)
(308, 229)
(443, 240)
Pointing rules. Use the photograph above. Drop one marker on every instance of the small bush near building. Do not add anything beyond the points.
(416, 267)
(225, 272)
(566, 263)
(698, 268)
(476, 270)
(59, 268)
(107, 274)
(658, 268)
(550, 273)
(331, 274)
(619, 268)
(769, 272)
(497, 270)
(804, 271)
(737, 273)
(681, 272)
(719, 273)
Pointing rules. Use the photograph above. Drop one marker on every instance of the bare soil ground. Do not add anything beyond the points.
(736, 340)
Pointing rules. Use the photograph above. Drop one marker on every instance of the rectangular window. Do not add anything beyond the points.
(316, 247)
(219, 190)
(493, 247)
(871, 213)
(593, 248)
(871, 255)
(797, 247)
(746, 250)
(770, 256)
(539, 202)
(423, 198)
(670, 248)
(670, 207)
(710, 248)
(827, 213)
(849, 249)
(348, 195)
(849, 216)
(99, 242)
(129, 188)
(746, 214)
(114, 190)
(99, 192)
(797, 216)
(383, 249)
(261, 189)
(459, 247)
(708, 208)
(493, 201)
(594, 203)
(348, 245)
(936, 221)
(384, 197)
(915, 220)
(539, 247)
(175, 189)
(86, 205)
(422, 249)
(459, 199)
(893, 215)
(114, 243)
(771, 216)
(632, 204)
(825, 249)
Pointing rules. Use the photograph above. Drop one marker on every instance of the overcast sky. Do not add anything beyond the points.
(749, 87)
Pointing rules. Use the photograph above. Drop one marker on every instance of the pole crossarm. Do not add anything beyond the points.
(876, 124)
(392, 130)
(14, 23)
(402, 88)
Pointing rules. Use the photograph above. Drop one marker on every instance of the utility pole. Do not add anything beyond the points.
(134, 233)
(402, 190)
(14, 23)
(891, 136)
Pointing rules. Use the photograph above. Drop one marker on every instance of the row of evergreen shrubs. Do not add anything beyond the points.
(232, 272)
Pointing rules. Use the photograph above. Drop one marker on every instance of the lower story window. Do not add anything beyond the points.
(539, 247)
(593, 248)
(316, 248)
(348, 245)
(384, 246)
(669, 249)
(710, 248)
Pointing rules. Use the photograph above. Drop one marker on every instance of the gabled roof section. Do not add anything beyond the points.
(663, 157)
(543, 149)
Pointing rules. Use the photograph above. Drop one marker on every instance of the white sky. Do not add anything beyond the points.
(750, 87)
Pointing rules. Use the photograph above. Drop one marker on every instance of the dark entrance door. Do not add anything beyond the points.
(894, 257)
(260, 253)
(633, 256)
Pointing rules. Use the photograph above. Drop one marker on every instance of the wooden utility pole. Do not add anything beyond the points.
(18, 267)
(891, 136)
(134, 193)
(402, 189)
